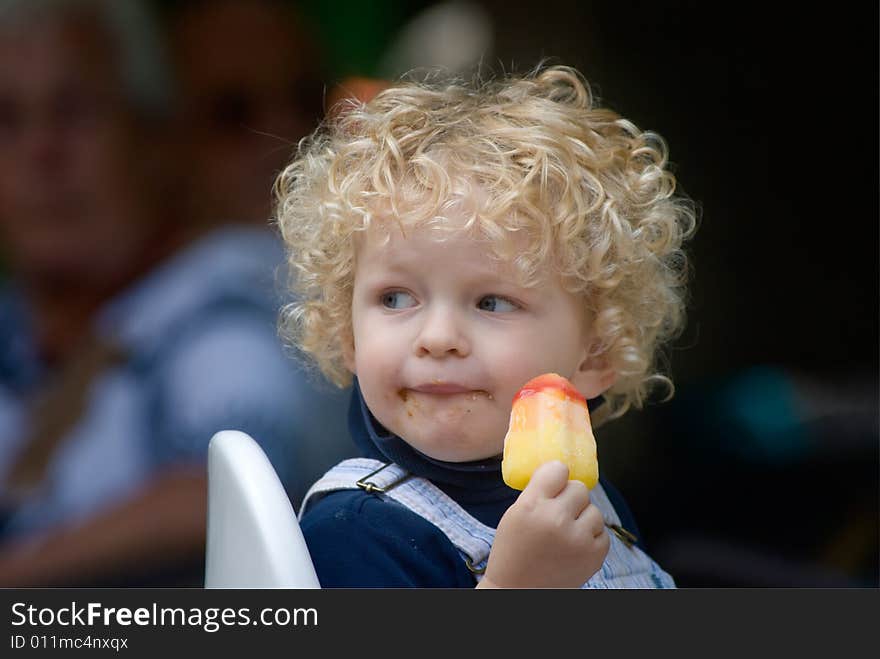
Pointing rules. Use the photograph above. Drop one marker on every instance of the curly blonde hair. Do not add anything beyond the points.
(591, 193)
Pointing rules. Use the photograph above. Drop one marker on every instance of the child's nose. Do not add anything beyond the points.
(442, 335)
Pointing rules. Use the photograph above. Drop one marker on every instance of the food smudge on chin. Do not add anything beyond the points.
(410, 404)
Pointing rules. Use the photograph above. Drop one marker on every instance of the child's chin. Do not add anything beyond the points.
(448, 447)
(455, 457)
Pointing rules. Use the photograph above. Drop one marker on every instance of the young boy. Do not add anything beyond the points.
(450, 242)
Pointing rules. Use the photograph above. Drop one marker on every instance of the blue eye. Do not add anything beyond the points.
(497, 304)
(397, 300)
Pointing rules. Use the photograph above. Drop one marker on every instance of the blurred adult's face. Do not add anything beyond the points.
(248, 94)
(69, 159)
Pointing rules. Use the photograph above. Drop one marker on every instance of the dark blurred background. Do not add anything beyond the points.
(763, 469)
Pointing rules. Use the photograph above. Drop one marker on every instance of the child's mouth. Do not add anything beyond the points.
(446, 390)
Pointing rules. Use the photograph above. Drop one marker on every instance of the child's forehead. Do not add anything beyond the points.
(388, 245)
(390, 241)
(522, 241)
(465, 210)
(389, 232)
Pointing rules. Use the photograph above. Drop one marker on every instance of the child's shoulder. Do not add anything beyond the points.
(344, 512)
(358, 539)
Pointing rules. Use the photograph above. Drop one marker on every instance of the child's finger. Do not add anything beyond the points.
(575, 497)
(592, 520)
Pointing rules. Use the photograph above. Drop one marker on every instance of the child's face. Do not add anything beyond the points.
(444, 336)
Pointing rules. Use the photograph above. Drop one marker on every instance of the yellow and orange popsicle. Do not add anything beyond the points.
(549, 420)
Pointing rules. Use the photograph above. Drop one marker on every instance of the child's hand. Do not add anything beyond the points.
(552, 537)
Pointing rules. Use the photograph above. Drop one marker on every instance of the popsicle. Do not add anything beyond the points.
(549, 420)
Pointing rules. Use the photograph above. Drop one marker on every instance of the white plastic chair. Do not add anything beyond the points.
(254, 539)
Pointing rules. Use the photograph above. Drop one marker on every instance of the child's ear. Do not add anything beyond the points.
(594, 375)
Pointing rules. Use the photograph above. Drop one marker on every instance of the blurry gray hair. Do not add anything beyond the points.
(139, 48)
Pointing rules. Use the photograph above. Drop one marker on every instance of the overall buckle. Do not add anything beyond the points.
(369, 487)
(628, 538)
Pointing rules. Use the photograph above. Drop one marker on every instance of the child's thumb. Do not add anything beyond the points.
(548, 480)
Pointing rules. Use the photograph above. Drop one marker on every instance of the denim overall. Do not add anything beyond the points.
(626, 566)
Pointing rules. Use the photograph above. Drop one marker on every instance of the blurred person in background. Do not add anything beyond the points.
(130, 333)
(249, 89)
(250, 85)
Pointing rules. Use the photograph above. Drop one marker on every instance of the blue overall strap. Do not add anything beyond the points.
(627, 519)
(626, 566)
(472, 538)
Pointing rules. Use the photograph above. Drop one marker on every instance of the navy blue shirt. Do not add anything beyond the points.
(357, 539)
